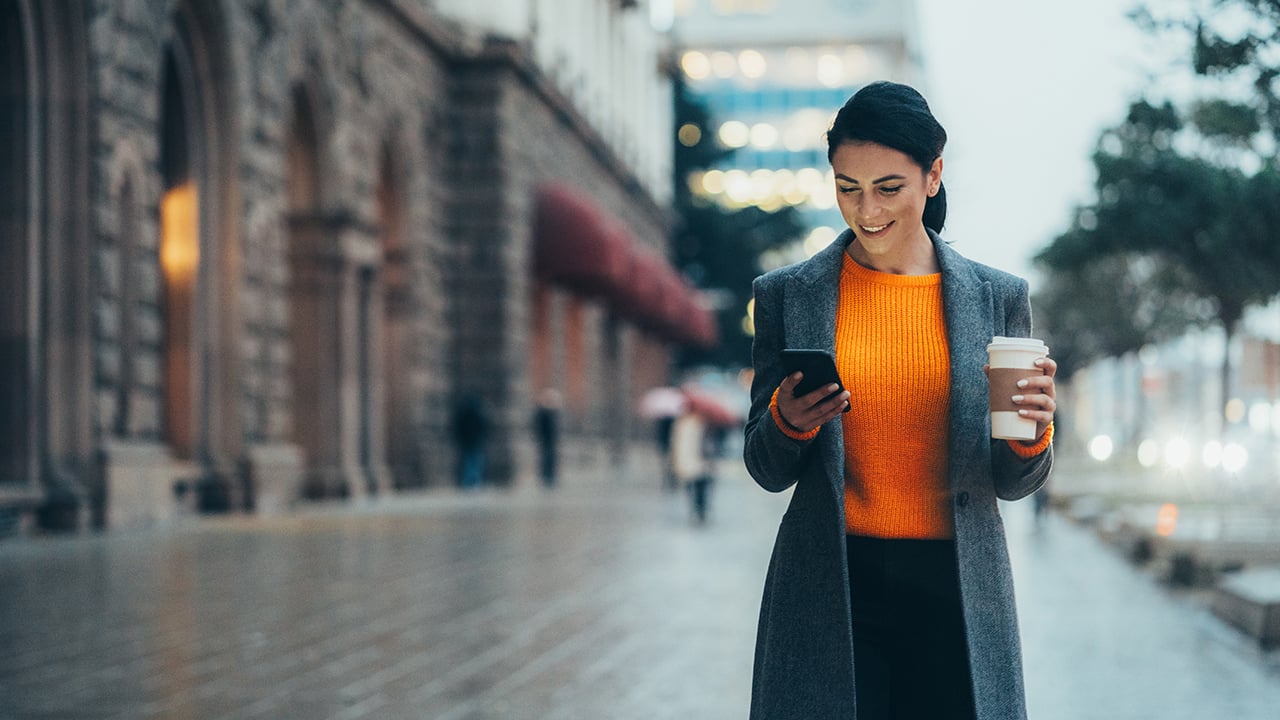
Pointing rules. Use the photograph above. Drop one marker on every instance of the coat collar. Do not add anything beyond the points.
(967, 309)
(816, 288)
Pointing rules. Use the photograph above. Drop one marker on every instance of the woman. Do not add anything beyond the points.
(889, 592)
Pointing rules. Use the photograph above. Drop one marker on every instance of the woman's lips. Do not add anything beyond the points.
(874, 230)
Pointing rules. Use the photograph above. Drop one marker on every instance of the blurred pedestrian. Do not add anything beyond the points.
(470, 431)
(546, 427)
(662, 436)
(689, 461)
(889, 590)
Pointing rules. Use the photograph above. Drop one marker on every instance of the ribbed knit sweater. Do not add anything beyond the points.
(892, 355)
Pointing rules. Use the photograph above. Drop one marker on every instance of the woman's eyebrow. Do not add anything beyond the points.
(877, 181)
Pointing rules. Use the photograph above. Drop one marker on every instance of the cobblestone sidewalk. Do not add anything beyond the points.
(578, 603)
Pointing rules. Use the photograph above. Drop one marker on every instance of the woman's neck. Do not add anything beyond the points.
(915, 258)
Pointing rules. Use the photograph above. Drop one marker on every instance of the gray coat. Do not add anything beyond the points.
(804, 645)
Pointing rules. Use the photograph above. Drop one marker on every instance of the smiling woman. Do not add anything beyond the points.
(893, 593)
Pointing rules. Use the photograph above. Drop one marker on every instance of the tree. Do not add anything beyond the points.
(1235, 46)
(1183, 230)
(1095, 306)
(719, 248)
(1199, 234)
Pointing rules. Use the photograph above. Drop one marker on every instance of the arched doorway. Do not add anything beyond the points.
(200, 255)
(179, 262)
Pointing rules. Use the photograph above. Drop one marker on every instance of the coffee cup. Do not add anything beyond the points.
(1012, 359)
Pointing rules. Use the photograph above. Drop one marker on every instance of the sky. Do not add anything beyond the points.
(1023, 88)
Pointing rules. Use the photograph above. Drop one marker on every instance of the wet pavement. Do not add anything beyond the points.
(592, 603)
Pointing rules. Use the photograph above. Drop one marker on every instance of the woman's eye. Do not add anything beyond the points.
(890, 190)
(846, 190)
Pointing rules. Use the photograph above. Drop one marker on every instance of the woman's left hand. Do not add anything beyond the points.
(1038, 398)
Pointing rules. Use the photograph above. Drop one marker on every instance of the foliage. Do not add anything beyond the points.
(1180, 232)
(1235, 44)
(1173, 239)
(1108, 306)
(717, 248)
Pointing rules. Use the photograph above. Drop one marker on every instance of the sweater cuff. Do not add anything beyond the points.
(787, 428)
(1026, 450)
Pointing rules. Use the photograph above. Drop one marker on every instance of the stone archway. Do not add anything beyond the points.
(315, 287)
(179, 262)
(200, 255)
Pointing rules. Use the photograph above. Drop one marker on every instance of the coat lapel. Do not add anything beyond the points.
(812, 295)
(966, 301)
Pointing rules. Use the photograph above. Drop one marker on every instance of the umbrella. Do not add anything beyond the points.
(712, 409)
(662, 402)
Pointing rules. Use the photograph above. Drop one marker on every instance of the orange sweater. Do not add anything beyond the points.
(892, 355)
(891, 351)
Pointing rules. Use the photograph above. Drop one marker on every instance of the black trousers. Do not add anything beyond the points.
(909, 647)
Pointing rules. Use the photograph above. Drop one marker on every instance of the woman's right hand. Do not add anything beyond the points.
(809, 411)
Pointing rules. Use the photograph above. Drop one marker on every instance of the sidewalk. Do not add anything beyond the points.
(580, 603)
(1105, 641)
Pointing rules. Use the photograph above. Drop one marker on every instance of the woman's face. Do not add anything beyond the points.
(881, 193)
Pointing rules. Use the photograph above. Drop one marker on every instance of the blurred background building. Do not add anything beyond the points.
(772, 75)
(256, 251)
(1163, 408)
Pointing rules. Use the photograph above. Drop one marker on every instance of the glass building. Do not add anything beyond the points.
(772, 75)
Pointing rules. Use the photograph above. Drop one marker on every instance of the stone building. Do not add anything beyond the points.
(255, 251)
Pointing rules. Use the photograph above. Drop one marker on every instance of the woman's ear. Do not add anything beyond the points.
(933, 179)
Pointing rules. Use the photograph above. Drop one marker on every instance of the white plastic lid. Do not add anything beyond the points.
(1012, 343)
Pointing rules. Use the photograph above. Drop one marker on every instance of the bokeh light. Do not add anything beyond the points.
(1101, 447)
(734, 134)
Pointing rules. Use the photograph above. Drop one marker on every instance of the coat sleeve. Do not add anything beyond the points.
(772, 458)
(1016, 478)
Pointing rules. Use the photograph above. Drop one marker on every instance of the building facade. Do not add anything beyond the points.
(257, 251)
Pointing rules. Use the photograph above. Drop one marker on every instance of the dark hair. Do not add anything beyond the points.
(896, 116)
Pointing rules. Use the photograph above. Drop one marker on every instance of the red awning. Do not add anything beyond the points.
(659, 300)
(581, 247)
(641, 297)
(576, 244)
(686, 320)
(701, 327)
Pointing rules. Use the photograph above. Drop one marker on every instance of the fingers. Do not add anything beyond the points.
(1050, 367)
(1037, 398)
(811, 410)
(1041, 383)
(788, 384)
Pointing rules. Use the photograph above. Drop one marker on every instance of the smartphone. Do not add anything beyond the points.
(819, 369)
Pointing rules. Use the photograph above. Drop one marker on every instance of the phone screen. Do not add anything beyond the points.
(818, 367)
